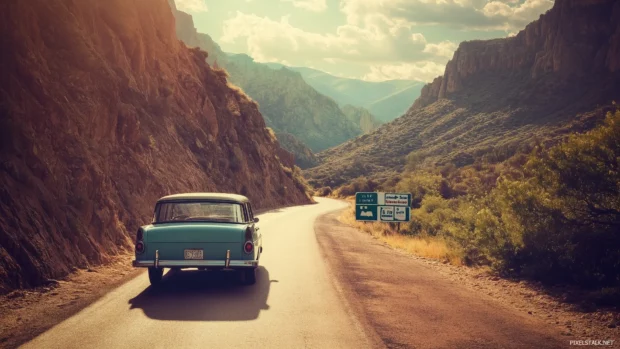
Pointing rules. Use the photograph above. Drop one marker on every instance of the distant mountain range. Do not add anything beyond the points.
(498, 96)
(308, 120)
(386, 100)
(290, 105)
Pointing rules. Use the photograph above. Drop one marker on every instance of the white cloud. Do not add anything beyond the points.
(516, 17)
(378, 35)
(422, 71)
(443, 49)
(192, 5)
(466, 14)
(380, 40)
(310, 5)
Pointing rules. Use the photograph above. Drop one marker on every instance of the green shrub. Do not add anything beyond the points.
(360, 184)
(420, 184)
(552, 215)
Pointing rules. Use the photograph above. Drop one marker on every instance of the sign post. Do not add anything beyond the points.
(383, 207)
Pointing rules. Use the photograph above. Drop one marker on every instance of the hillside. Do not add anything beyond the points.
(304, 157)
(361, 117)
(287, 102)
(387, 100)
(290, 105)
(101, 119)
(497, 96)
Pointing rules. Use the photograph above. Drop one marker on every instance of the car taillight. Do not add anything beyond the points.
(248, 247)
(139, 235)
(139, 247)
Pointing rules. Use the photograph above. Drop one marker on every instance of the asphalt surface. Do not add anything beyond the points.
(293, 304)
(320, 285)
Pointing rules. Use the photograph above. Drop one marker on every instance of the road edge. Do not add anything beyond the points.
(354, 310)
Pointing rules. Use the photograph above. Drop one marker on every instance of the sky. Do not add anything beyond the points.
(372, 40)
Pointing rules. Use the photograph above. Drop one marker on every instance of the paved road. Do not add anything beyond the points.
(294, 303)
(321, 285)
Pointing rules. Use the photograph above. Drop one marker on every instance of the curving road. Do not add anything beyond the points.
(320, 285)
(293, 304)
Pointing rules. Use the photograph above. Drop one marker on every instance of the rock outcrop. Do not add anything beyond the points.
(186, 31)
(103, 110)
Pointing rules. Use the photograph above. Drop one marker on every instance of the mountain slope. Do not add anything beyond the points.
(290, 105)
(287, 102)
(387, 100)
(391, 106)
(497, 96)
(362, 117)
(304, 157)
(100, 119)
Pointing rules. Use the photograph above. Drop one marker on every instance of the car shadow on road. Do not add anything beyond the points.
(192, 295)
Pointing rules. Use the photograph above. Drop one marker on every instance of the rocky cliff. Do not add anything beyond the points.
(186, 31)
(103, 110)
(576, 38)
(498, 96)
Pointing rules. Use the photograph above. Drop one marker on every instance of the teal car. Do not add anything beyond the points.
(208, 231)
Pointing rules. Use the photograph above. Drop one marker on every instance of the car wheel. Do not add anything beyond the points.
(248, 276)
(155, 275)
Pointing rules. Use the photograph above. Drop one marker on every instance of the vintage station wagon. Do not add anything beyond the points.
(211, 231)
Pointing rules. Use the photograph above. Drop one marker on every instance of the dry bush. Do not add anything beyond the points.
(324, 191)
(428, 247)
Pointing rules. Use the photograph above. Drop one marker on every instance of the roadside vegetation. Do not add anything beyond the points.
(551, 214)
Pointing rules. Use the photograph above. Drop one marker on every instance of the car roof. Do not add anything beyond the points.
(205, 196)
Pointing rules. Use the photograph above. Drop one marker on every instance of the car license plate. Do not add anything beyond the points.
(193, 254)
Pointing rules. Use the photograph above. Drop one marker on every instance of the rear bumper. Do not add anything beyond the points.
(233, 264)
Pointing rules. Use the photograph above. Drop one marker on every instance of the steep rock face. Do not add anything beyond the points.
(103, 110)
(186, 31)
(429, 93)
(497, 97)
(576, 38)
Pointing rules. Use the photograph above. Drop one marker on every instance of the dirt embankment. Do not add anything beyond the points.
(102, 111)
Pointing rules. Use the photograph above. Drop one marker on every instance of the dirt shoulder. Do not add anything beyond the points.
(414, 302)
(24, 314)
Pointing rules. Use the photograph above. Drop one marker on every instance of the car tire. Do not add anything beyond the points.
(248, 276)
(155, 275)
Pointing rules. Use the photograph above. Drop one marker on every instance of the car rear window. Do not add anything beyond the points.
(199, 212)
